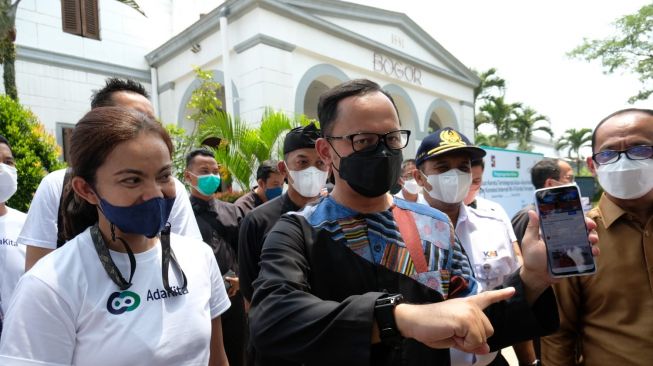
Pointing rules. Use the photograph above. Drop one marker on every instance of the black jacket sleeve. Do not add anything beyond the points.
(249, 252)
(288, 322)
(514, 320)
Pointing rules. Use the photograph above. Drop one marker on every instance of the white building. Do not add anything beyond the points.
(277, 53)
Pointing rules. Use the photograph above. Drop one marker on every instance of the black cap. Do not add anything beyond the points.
(443, 141)
(301, 138)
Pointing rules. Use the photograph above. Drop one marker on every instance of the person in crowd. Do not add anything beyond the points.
(444, 171)
(606, 318)
(360, 277)
(307, 175)
(477, 202)
(545, 173)
(218, 222)
(125, 290)
(270, 185)
(43, 231)
(527, 352)
(410, 190)
(12, 254)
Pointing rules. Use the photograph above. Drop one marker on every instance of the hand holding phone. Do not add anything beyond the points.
(562, 221)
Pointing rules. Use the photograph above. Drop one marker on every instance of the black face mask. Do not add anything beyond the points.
(372, 172)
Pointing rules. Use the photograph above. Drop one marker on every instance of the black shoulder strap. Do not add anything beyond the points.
(61, 237)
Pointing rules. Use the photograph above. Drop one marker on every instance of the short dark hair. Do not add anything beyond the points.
(201, 151)
(617, 113)
(103, 97)
(407, 162)
(479, 162)
(327, 107)
(3, 140)
(543, 170)
(266, 168)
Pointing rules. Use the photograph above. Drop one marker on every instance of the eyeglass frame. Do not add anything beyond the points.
(381, 137)
(620, 152)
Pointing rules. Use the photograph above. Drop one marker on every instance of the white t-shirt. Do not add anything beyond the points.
(12, 255)
(485, 204)
(40, 229)
(420, 198)
(67, 311)
(487, 242)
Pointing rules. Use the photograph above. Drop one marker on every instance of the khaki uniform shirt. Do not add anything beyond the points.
(608, 314)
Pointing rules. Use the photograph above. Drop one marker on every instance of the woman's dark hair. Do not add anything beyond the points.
(93, 139)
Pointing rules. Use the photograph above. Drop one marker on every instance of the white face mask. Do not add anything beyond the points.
(451, 186)
(411, 186)
(8, 182)
(626, 179)
(308, 182)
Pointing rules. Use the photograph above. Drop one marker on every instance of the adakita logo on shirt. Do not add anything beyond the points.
(120, 302)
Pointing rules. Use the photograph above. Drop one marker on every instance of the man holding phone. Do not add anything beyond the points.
(334, 276)
(606, 319)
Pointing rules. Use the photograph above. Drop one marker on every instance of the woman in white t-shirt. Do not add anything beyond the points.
(12, 254)
(124, 291)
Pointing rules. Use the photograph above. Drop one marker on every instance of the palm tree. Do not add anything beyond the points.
(524, 125)
(500, 115)
(573, 140)
(489, 82)
(8, 11)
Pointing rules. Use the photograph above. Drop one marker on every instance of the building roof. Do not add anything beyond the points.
(315, 14)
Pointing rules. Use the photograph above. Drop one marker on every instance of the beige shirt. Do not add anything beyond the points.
(609, 313)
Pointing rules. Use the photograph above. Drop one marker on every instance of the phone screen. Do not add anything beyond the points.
(563, 229)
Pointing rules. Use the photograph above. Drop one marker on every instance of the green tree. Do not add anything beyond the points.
(573, 140)
(525, 123)
(500, 115)
(490, 84)
(35, 151)
(8, 9)
(630, 50)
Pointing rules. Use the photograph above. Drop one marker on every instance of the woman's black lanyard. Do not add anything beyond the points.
(114, 273)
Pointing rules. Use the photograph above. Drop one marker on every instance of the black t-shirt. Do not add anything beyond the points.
(253, 230)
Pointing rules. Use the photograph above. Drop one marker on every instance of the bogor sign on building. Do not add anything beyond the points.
(397, 69)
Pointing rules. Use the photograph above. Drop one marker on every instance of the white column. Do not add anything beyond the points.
(155, 91)
(228, 93)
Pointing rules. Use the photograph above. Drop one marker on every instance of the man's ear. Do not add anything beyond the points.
(187, 176)
(84, 190)
(324, 151)
(283, 169)
(261, 183)
(590, 165)
(421, 179)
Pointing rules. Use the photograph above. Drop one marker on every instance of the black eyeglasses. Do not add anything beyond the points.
(395, 140)
(641, 152)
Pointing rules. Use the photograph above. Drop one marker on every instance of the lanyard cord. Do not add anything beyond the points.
(168, 254)
(107, 262)
(114, 273)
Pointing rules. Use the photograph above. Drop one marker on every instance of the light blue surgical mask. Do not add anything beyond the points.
(207, 184)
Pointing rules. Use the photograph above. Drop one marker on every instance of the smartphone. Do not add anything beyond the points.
(564, 231)
(227, 284)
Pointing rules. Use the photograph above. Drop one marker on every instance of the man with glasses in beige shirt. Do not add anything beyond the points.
(607, 318)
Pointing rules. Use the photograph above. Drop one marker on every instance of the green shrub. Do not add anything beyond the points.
(35, 151)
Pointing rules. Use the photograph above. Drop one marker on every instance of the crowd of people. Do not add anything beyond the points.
(366, 257)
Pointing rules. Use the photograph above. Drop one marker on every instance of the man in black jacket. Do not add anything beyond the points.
(218, 222)
(360, 278)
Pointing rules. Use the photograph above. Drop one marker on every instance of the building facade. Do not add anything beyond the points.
(280, 54)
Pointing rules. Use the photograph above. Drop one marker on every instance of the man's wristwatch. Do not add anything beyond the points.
(385, 319)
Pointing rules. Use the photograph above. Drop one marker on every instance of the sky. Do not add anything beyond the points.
(527, 41)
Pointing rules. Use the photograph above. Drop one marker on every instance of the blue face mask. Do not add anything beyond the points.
(271, 193)
(147, 218)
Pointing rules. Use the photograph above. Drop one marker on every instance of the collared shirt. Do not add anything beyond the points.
(610, 312)
(486, 240)
(497, 210)
(253, 230)
(248, 202)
